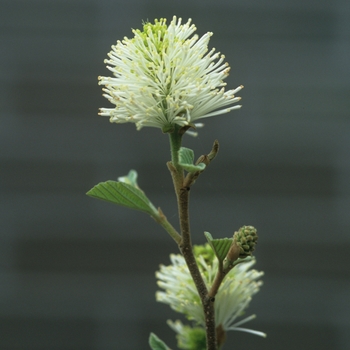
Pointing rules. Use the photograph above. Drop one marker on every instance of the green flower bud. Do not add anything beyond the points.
(205, 251)
(246, 239)
(196, 339)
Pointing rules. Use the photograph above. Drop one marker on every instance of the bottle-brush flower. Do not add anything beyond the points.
(166, 76)
(231, 301)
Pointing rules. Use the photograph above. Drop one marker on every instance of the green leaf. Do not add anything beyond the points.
(228, 265)
(157, 344)
(186, 157)
(123, 194)
(220, 246)
(243, 260)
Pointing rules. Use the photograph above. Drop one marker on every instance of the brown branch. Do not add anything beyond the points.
(220, 275)
(182, 193)
(187, 252)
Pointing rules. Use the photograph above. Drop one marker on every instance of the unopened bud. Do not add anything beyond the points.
(246, 239)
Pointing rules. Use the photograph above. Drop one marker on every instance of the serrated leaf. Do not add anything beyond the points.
(186, 157)
(156, 343)
(220, 246)
(123, 194)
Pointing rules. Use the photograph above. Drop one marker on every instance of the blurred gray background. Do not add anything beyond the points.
(77, 273)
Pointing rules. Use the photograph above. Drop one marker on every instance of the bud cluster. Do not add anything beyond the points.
(246, 239)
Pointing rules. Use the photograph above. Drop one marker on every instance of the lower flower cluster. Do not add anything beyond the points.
(233, 297)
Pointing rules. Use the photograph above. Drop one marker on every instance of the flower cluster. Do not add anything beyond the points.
(233, 297)
(164, 76)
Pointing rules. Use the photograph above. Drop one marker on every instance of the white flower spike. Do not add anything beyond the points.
(165, 76)
(233, 297)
